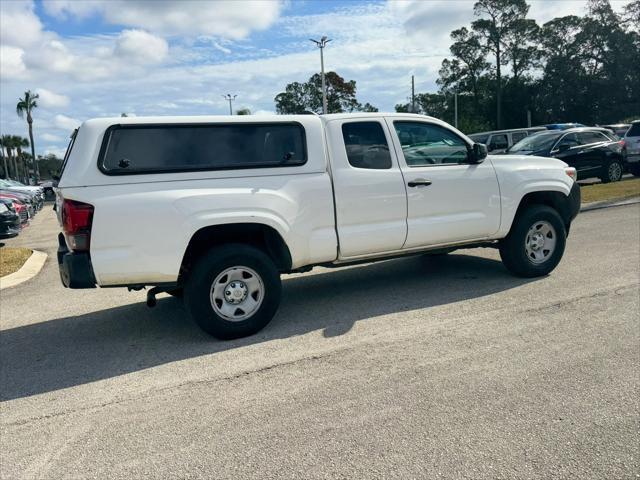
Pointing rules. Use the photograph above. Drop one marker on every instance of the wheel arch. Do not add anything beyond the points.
(258, 235)
(555, 199)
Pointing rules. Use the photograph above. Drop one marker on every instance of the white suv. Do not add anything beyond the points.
(216, 208)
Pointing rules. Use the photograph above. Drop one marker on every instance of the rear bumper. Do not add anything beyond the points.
(75, 267)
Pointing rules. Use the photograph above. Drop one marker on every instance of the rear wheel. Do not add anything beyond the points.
(613, 172)
(233, 291)
(535, 243)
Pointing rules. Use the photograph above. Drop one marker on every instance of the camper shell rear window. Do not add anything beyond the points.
(163, 148)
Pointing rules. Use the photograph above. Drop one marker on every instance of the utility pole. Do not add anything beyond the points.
(455, 109)
(413, 95)
(228, 97)
(528, 117)
(321, 44)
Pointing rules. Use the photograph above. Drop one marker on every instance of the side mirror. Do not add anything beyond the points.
(563, 147)
(478, 153)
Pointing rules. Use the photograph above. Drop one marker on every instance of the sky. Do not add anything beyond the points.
(100, 58)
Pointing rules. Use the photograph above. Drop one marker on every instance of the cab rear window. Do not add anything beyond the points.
(131, 149)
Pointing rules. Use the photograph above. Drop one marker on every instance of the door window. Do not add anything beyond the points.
(366, 145)
(570, 140)
(498, 142)
(427, 144)
(588, 138)
(517, 136)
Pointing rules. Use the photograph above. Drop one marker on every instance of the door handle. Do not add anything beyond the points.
(419, 182)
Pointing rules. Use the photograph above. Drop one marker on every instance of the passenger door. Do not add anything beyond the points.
(449, 200)
(370, 194)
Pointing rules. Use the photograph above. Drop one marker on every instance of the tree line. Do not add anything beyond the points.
(506, 70)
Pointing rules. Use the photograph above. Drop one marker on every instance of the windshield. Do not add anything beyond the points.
(533, 143)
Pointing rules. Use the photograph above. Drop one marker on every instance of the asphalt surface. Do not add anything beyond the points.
(410, 368)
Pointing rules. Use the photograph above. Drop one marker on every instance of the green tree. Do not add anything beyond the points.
(498, 19)
(19, 143)
(25, 106)
(4, 155)
(303, 97)
(50, 165)
(521, 46)
(463, 73)
(243, 111)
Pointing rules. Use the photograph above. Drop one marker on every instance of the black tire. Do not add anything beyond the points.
(199, 286)
(513, 249)
(613, 172)
(634, 169)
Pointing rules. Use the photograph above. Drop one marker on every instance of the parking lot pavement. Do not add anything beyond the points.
(411, 368)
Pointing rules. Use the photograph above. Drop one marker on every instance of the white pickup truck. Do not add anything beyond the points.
(216, 208)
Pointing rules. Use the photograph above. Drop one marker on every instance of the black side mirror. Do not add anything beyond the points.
(478, 153)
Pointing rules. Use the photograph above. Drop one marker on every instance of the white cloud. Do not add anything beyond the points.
(55, 150)
(226, 18)
(19, 25)
(11, 62)
(49, 137)
(49, 99)
(63, 122)
(141, 47)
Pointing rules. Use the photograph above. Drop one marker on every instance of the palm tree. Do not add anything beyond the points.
(26, 105)
(7, 142)
(18, 143)
(3, 139)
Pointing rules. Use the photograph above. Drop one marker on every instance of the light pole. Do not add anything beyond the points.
(321, 44)
(230, 98)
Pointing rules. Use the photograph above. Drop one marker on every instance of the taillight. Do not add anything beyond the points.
(76, 224)
(571, 172)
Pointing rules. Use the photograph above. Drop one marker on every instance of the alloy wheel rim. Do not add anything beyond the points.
(237, 293)
(540, 242)
(615, 171)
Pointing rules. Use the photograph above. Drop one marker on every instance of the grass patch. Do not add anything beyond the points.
(611, 191)
(11, 259)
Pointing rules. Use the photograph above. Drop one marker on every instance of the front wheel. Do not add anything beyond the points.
(613, 172)
(233, 291)
(535, 243)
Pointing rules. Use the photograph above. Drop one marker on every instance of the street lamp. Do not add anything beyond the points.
(321, 44)
(230, 98)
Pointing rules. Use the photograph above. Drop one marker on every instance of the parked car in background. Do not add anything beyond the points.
(499, 140)
(9, 219)
(47, 187)
(631, 148)
(37, 193)
(592, 151)
(21, 199)
(563, 126)
(619, 128)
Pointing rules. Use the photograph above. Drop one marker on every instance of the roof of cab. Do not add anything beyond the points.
(108, 121)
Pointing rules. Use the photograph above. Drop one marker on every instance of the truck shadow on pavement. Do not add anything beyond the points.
(75, 350)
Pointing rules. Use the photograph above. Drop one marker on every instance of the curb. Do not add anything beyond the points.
(609, 203)
(30, 269)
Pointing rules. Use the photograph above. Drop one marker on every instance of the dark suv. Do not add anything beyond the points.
(593, 152)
